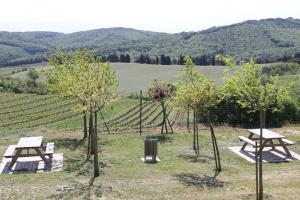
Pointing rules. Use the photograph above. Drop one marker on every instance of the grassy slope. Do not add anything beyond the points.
(134, 77)
(108, 112)
(179, 175)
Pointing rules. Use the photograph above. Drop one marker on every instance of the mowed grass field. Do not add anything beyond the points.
(179, 174)
(134, 77)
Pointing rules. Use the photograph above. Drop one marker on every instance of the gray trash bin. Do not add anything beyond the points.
(150, 149)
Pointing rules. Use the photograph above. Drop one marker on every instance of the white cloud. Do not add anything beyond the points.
(156, 15)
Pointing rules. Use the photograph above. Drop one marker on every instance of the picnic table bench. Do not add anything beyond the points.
(28, 144)
(270, 139)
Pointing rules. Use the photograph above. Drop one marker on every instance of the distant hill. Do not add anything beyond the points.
(265, 40)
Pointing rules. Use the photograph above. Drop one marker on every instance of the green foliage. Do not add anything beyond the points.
(33, 74)
(253, 90)
(265, 41)
(83, 76)
(195, 90)
(160, 90)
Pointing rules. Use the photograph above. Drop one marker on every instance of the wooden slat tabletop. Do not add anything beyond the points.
(267, 134)
(29, 142)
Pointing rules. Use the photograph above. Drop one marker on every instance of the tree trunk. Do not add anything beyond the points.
(84, 126)
(95, 139)
(170, 125)
(91, 131)
(164, 118)
(194, 130)
(197, 133)
(215, 146)
(260, 170)
(188, 119)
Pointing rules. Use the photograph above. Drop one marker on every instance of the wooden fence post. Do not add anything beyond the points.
(141, 93)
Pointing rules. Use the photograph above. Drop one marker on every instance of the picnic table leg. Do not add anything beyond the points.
(285, 148)
(272, 144)
(14, 159)
(42, 156)
(260, 151)
(245, 144)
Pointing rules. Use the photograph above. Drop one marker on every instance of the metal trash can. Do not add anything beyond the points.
(150, 149)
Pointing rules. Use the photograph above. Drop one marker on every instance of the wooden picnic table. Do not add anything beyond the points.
(270, 139)
(27, 144)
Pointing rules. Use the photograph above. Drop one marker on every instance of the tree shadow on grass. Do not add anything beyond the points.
(197, 158)
(199, 181)
(76, 190)
(193, 158)
(68, 143)
(161, 138)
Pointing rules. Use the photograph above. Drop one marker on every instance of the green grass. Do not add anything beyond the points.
(134, 77)
(292, 81)
(179, 174)
(29, 112)
(108, 113)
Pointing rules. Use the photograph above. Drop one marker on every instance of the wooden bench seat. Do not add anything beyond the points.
(249, 141)
(49, 149)
(288, 142)
(10, 151)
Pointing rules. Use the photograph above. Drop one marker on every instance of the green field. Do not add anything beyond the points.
(134, 77)
(179, 174)
(19, 112)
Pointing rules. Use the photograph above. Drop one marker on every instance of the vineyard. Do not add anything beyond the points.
(21, 111)
(151, 116)
(29, 111)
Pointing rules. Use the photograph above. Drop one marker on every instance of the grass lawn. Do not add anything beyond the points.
(179, 175)
(134, 77)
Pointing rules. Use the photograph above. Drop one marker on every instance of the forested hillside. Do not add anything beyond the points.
(265, 40)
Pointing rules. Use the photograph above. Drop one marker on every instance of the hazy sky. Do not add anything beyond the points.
(154, 15)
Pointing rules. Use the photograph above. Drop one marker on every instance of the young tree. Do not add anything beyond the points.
(201, 95)
(259, 93)
(82, 76)
(161, 91)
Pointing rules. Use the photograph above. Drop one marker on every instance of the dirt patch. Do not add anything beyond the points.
(288, 131)
(57, 134)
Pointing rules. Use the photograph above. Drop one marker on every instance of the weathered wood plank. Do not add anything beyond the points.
(30, 142)
(10, 151)
(249, 141)
(50, 148)
(267, 134)
(288, 142)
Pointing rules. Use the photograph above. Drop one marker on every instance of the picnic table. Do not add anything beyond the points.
(32, 146)
(270, 139)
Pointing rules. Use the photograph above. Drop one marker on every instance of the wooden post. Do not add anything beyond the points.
(141, 93)
(104, 122)
(95, 139)
(260, 170)
(188, 119)
(256, 172)
(84, 125)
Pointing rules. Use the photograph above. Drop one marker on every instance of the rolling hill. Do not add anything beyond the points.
(265, 40)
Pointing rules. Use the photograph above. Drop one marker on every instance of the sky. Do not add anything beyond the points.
(169, 16)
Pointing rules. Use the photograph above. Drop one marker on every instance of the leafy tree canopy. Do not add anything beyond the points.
(252, 89)
(81, 75)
